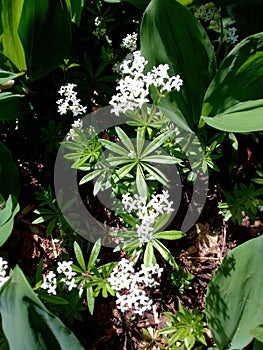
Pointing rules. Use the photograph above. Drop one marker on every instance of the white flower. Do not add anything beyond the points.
(70, 101)
(147, 212)
(66, 269)
(3, 272)
(97, 21)
(230, 35)
(130, 286)
(50, 283)
(133, 87)
(130, 42)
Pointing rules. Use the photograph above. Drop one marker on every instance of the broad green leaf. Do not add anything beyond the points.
(35, 327)
(9, 176)
(94, 254)
(141, 4)
(7, 218)
(76, 10)
(79, 256)
(10, 43)
(233, 101)
(257, 345)
(12, 106)
(234, 304)
(188, 51)
(258, 333)
(45, 32)
(149, 257)
(124, 138)
(169, 235)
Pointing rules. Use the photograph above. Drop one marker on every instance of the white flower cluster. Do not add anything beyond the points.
(70, 102)
(147, 212)
(50, 281)
(230, 35)
(133, 87)
(130, 286)
(3, 272)
(78, 124)
(130, 42)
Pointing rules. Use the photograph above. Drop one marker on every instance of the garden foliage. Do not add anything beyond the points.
(194, 89)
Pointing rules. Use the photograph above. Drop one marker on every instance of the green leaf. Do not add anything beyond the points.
(76, 10)
(79, 256)
(9, 176)
(187, 39)
(169, 235)
(35, 327)
(160, 159)
(124, 170)
(140, 182)
(233, 101)
(94, 254)
(156, 143)
(234, 306)
(113, 147)
(155, 173)
(91, 176)
(165, 253)
(140, 138)
(5, 76)
(7, 218)
(12, 106)
(44, 29)
(149, 257)
(124, 138)
(258, 333)
(10, 42)
(90, 299)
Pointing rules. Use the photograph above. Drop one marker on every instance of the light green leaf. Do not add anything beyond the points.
(165, 253)
(91, 176)
(94, 254)
(149, 257)
(114, 147)
(231, 322)
(124, 170)
(156, 143)
(155, 173)
(90, 299)
(5, 76)
(187, 39)
(140, 138)
(161, 159)
(169, 235)
(258, 333)
(124, 138)
(233, 101)
(10, 42)
(35, 327)
(79, 256)
(7, 218)
(140, 182)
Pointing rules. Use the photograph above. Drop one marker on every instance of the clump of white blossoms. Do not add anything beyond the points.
(51, 280)
(70, 102)
(230, 35)
(3, 271)
(133, 286)
(130, 42)
(147, 212)
(133, 87)
(77, 124)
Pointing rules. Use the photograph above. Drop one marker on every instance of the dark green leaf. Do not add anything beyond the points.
(187, 39)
